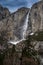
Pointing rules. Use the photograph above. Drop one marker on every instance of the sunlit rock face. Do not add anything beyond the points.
(12, 27)
(4, 12)
(36, 16)
(16, 27)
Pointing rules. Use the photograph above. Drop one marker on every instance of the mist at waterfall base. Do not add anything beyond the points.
(23, 31)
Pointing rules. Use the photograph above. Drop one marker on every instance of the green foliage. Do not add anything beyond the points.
(13, 49)
(29, 52)
(37, 36)
(1, 58)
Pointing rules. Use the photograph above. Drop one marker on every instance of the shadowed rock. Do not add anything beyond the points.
(4, 12)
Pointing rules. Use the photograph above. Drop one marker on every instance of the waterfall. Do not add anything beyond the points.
(15, 42)
(25, 26)
(23, 30)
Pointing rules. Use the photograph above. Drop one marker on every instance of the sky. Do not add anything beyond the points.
(13, 5)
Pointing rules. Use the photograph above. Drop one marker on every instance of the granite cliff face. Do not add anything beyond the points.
(11, 29)
(36, 16)
(4, 12)
(11, 26)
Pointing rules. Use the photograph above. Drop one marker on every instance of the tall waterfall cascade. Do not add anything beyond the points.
(25, 26)
(23, 32)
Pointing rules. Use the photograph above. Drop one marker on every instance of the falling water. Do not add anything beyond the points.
(23, 34)
(15, 42)
(25, 26)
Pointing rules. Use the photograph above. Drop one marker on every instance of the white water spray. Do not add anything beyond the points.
(25, 26)
(15, 42)
(24, 29)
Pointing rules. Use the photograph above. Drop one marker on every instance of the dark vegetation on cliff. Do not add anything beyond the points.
(23, 53)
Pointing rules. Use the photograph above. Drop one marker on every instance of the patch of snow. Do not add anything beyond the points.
(31, 33)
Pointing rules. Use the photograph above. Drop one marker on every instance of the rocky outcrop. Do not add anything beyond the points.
(4, 12)
(9, 30)
(10, 27)
(36, 16)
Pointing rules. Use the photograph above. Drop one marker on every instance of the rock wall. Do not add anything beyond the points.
(10, 27)
(4, 12)
(36, 16)
(9, 30)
